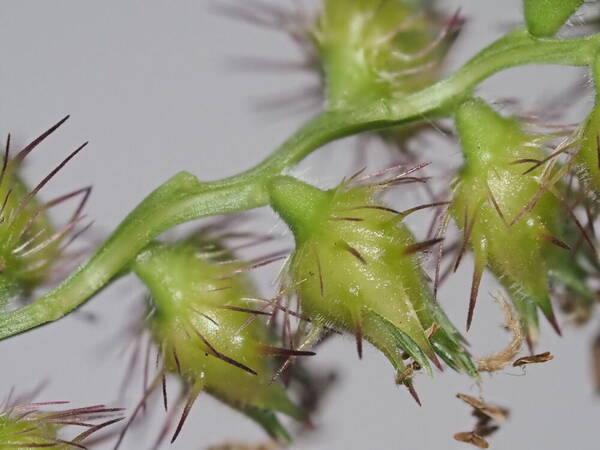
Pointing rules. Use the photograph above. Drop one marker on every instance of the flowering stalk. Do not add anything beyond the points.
(184, 198)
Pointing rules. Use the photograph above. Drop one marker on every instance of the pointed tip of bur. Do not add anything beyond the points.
(530, 343)
(469, 320)
(413, 393)
(436, 362)
(552, 319)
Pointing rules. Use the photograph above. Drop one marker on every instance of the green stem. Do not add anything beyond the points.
(184, 198)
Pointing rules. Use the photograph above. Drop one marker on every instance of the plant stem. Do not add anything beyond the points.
(184, 198)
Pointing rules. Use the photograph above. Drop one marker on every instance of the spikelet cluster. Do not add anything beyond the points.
(30, 244)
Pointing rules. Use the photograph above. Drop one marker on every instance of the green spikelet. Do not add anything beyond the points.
(512, 217)
(545, 17)
(28, 427)
(369, 49)
(29, 242)
(198, 318)
(356, 268)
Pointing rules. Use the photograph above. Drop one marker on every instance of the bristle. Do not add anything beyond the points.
(597, 151)
(477, 274)
(68, 443)
(320, 273)
(376, 207)
(164, 392)
(353, 251)
(25, 151)
(530, 205)
(6, 197)
(467, 230)
(48, 177)
(393, 169)
(176, 358)
(169, 420)
(210, 319)
(348, 219)
(496, 205)
(421, 246)
(575, 220)
(269, 259)
(137, 409)
(555, 241)
(5, 159)
(252, 318)
(223, 357)
(268, 350)
(82, 436)
(409, 211)
(245, 310)
(454, 21)
(146, 369)
(195, 391)
(358, 335)
(413, 392)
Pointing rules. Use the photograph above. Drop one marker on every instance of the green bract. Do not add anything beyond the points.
(546, 17)
(509, 207)
(356, 268)
(198, 318)
(372, 49)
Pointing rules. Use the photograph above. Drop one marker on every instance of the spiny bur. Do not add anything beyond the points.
(545, 17)
(356, 268)
(372, 49)
(30, 245)
(30, 426)
(508, 202)
(204, 321)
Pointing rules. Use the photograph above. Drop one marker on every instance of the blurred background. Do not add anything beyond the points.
(158, 87)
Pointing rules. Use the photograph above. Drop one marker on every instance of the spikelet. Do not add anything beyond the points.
(27, 426)
(202, 319)
(356, 268)
(513, 216)
(30, 245)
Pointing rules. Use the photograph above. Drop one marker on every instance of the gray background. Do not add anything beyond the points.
(150, 84)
